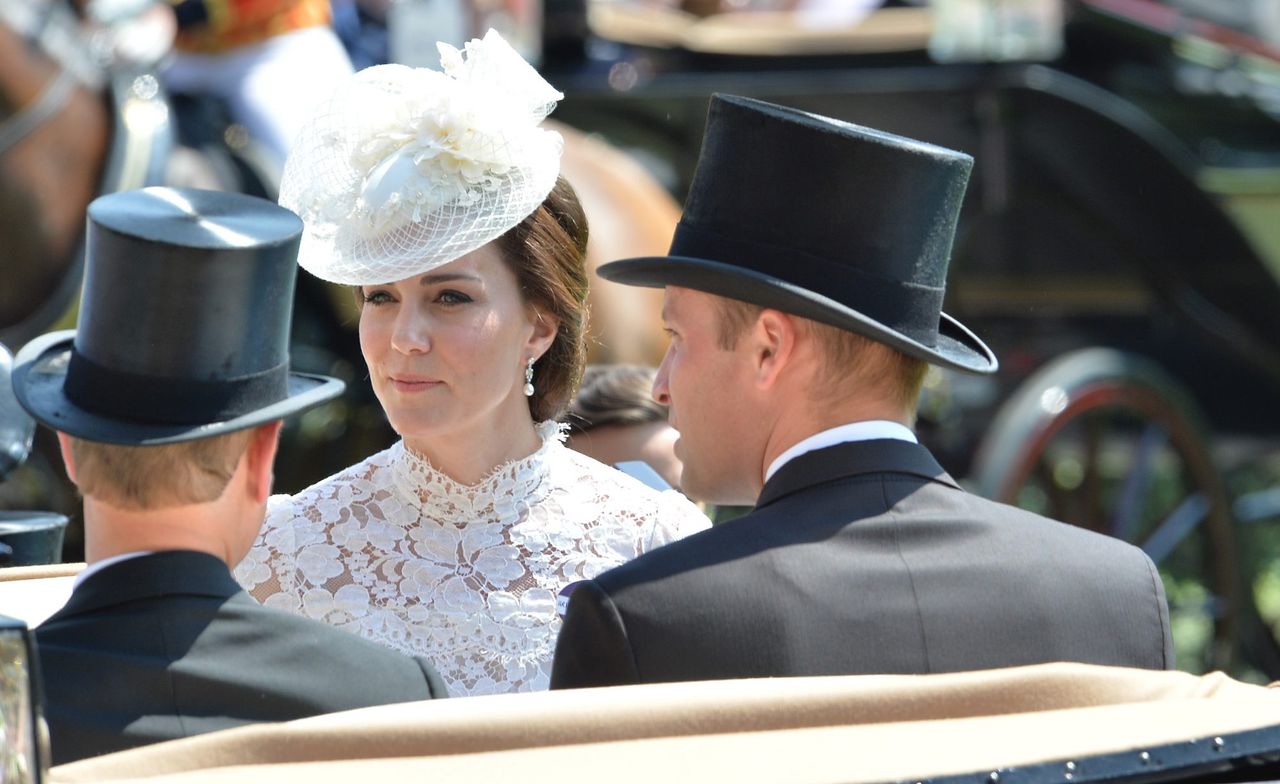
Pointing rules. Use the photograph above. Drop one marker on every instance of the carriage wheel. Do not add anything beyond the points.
(1107, 441)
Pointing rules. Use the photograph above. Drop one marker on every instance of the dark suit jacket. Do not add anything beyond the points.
(866, 558)
(168, 645)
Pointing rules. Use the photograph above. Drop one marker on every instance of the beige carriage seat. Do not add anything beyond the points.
(33, 593)
(856, 728)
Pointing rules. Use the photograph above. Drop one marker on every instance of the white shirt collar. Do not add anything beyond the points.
(855, 431)
(98, 566)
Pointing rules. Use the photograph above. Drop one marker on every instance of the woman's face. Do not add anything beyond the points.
(447, 350)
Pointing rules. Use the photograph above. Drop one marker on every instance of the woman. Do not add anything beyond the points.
(437, 196)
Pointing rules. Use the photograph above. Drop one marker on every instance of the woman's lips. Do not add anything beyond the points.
(413, 383)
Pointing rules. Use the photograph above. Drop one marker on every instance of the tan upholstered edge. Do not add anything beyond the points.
(658, 27)
(33, 593)
(777, 34)
(491, 724)
(11, 573)
(760, 32)
(858, 753)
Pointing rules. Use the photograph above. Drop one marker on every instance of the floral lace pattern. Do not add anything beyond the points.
(467, 576)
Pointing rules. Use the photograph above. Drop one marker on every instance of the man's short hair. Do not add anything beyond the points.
(847, 356)
(154, 477)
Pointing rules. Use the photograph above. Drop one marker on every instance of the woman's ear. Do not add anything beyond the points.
(545, 328)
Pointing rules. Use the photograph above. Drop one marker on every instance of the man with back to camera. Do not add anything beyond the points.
(167, 400)
(803, 298)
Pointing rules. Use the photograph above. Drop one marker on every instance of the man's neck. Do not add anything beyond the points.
(112, 531)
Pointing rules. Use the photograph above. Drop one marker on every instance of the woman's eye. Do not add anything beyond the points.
(376, 297)
(451, 297)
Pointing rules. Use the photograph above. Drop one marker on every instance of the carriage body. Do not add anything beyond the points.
(1119, 249)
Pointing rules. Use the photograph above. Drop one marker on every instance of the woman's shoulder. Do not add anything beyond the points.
(616, 490)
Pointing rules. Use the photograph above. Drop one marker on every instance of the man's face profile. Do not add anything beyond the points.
(701, 383)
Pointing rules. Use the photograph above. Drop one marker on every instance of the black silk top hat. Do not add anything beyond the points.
(824, 219)
(184, 323)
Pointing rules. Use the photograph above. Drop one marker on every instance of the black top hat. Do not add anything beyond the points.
(824, 219)
(184, 323)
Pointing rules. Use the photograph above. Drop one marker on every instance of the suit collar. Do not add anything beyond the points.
(881, 456)
(864, 430)
(157, 574)
(106, 563)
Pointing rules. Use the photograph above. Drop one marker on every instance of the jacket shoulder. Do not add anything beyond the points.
(334, 655)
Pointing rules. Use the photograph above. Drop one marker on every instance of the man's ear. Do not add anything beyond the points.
(774, 343)
(68, 457)
(260, 458)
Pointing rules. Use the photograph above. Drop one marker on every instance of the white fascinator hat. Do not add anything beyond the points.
(404, 169)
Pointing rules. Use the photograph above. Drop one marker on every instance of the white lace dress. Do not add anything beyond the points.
(468, 576)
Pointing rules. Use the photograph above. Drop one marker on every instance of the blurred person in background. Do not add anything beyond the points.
(271, 61)
(361, 25)
(615, 419)
(437, 196)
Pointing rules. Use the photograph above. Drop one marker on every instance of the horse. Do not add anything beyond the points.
(630, 214)
(54, 138)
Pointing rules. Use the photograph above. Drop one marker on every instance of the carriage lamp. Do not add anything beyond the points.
(24, 746)
(16, 427)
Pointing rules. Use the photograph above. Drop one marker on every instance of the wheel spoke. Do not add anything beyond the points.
(1176, 527)
(1059, 500)
(1125, 521)
(1091, 485)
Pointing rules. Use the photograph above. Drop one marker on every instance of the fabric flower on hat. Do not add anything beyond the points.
(405, 169)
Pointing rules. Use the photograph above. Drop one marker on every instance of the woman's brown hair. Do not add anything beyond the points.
(547, 251)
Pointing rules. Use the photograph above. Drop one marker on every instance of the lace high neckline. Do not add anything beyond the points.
(499, 495)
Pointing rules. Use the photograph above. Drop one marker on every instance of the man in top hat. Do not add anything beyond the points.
(167, 400)
(803, 298)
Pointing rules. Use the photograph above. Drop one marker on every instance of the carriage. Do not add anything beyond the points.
(1118, 250)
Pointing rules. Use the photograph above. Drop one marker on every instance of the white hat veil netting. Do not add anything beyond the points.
(404, 169)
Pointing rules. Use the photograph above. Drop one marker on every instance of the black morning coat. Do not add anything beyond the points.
(168, 645)
(866, 557)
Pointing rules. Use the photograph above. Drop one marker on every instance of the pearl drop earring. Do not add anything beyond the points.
(528, 379)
